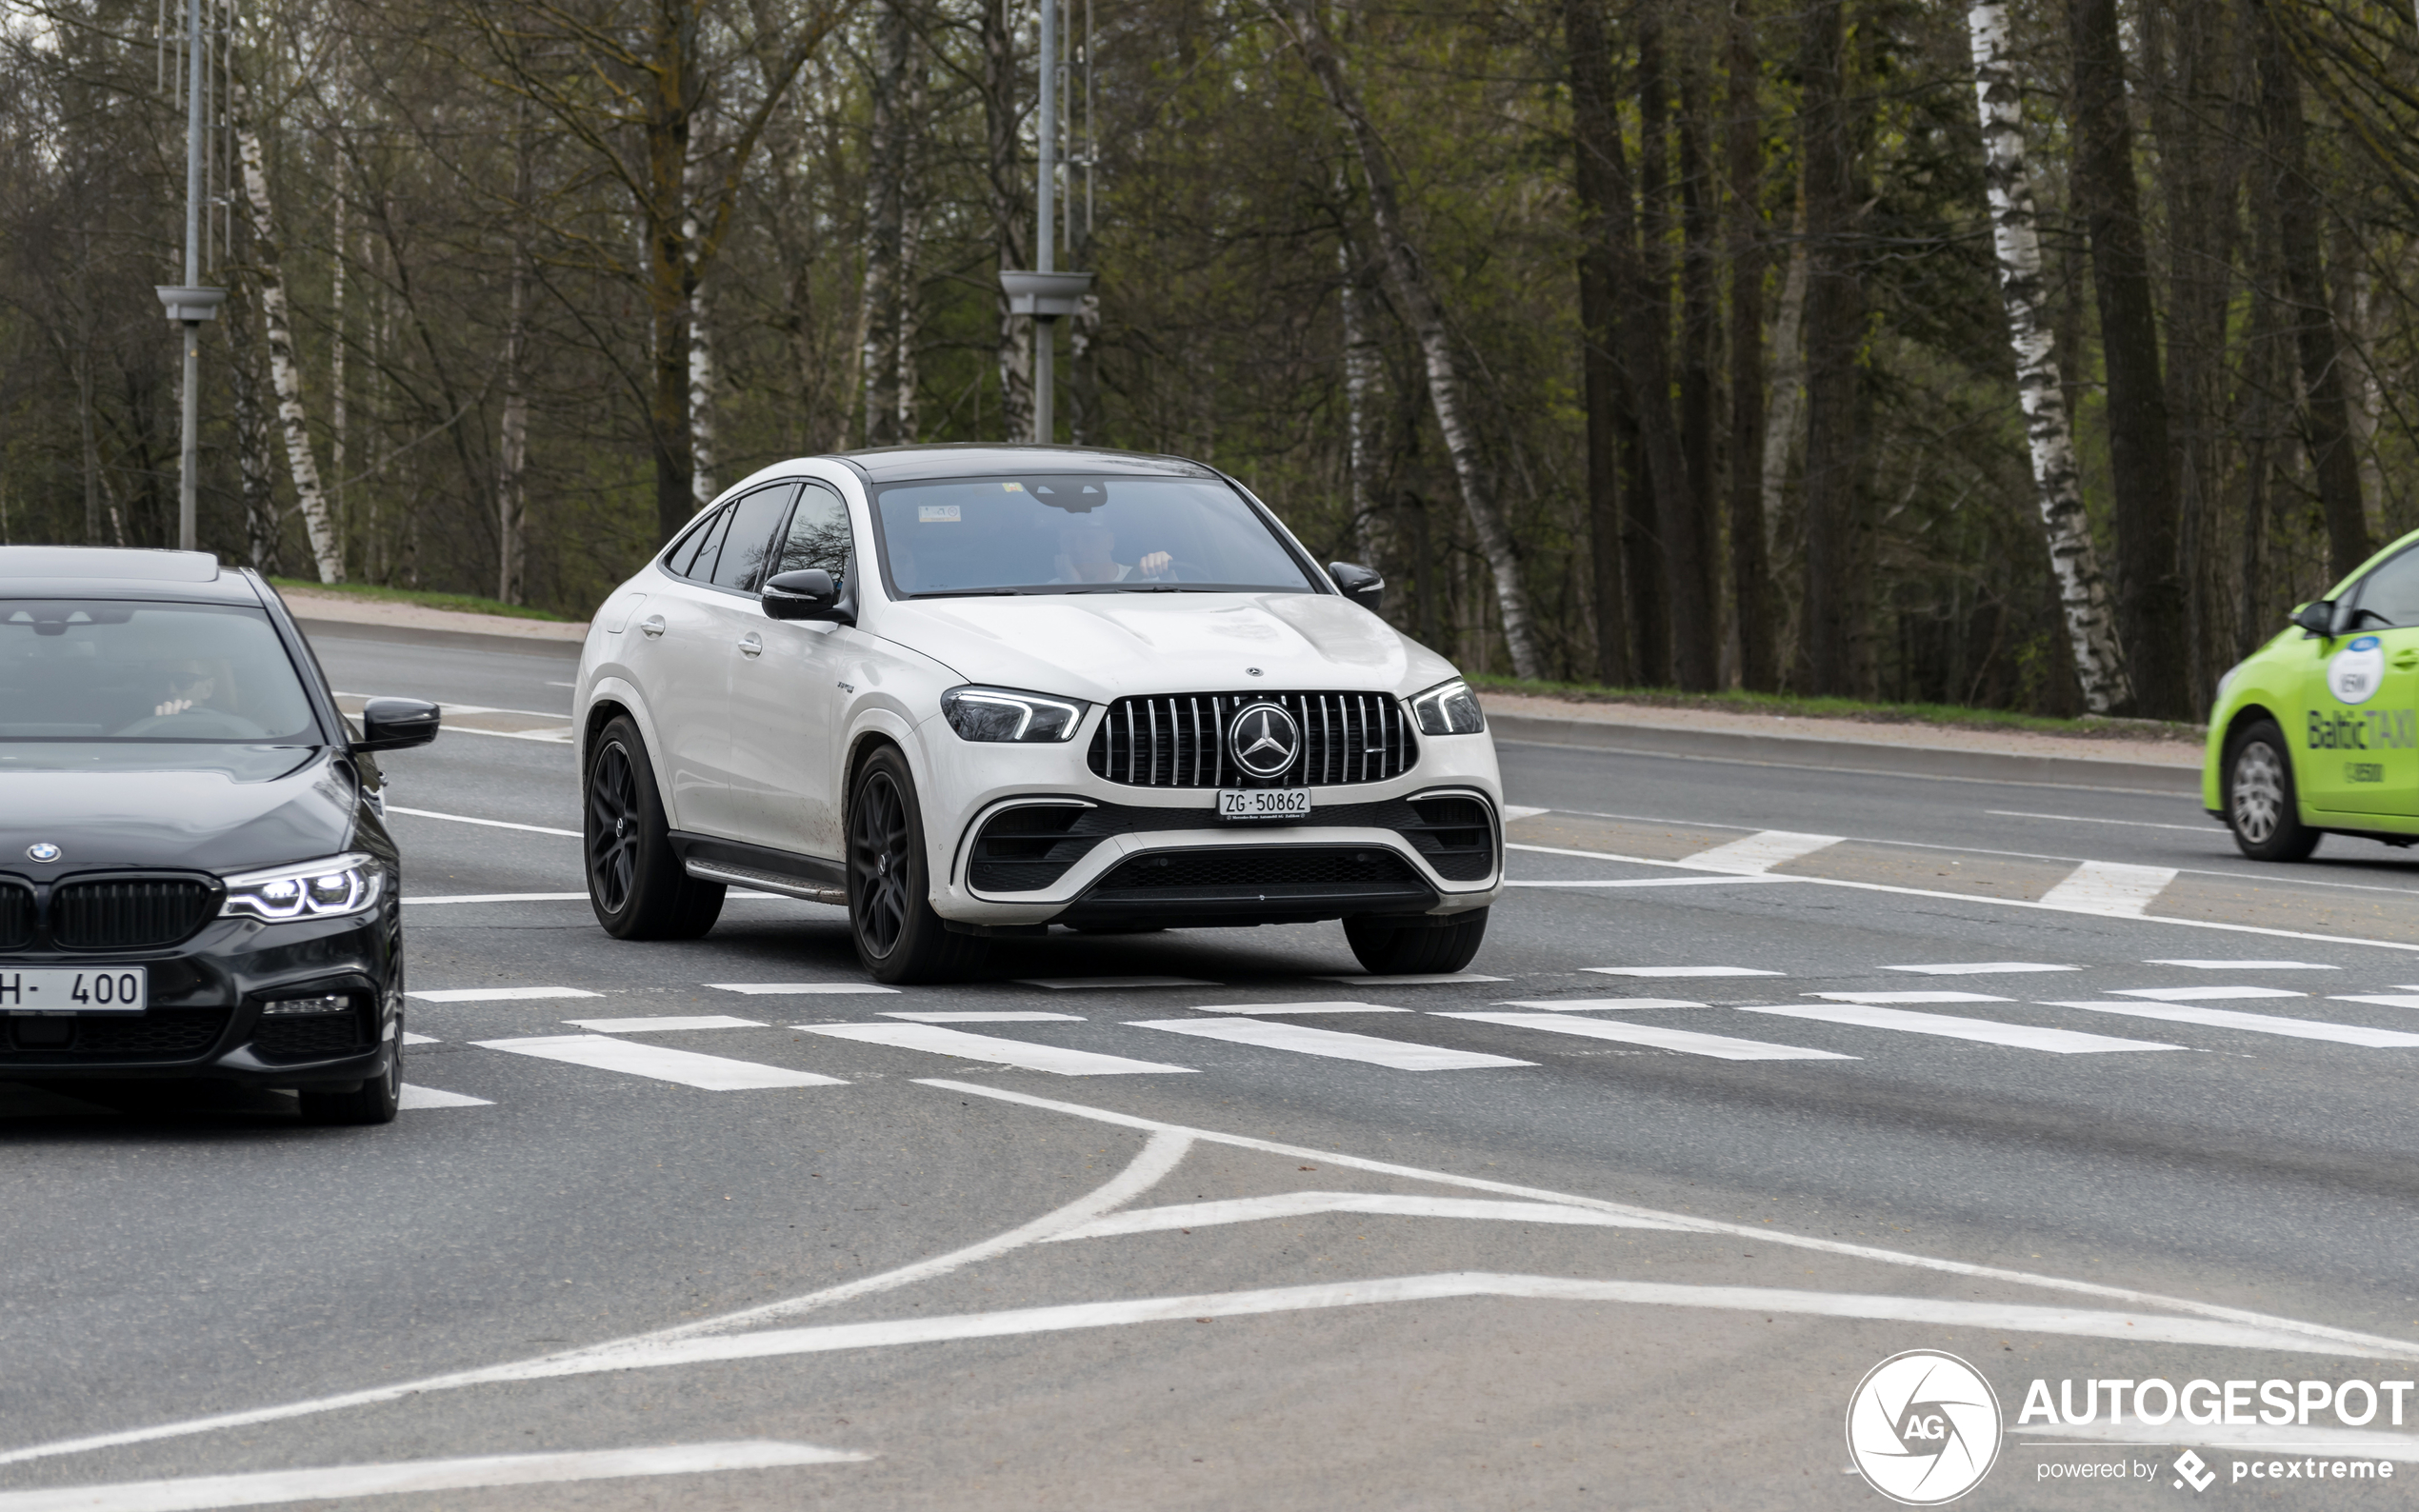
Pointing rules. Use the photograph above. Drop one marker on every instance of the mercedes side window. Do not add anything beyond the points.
(748, 545)
(695, 557)
(818, 536)
(2388, 598)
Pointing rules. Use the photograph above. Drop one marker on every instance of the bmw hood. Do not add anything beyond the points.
(203, 807)
(1106, 646)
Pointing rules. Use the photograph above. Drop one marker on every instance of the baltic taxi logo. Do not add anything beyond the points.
(1923, 1427)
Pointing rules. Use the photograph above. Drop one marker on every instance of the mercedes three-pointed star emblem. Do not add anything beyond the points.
(1264, 740)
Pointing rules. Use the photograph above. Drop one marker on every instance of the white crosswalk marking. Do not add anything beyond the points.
(801, 989)
(1019, 1053)
(1980, 968)
(1397, 1054)
(1089, 983)
(1686, 1041)
(1758, 852)
(1987, 1031)
(714, 1073)
(2107, 887)
(2204, 994)
(1417, 979)
(421, 1039)
(1595, 1005)
(945, 1016)
(2246, 965)
(413, 1099)
(1907, 997)
(2382, 1000)
(500, 994)
(1297, 1008)
(2258, 1023)
(1680, 971)
(660, 1025)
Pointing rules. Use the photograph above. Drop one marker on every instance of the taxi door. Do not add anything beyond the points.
(2360, 750)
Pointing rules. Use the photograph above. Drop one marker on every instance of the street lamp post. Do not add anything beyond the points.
(190, 304)
(1044, 294)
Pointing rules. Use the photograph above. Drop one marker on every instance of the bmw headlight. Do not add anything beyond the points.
(313, 890)
(1449, 709)
(1000, 714)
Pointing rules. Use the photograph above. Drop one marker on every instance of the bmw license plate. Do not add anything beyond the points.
(1264, 803)
(95, 990)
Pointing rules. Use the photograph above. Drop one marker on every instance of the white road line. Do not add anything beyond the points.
(2204, 994)
(499, 994)
(1759, 853)
(1980, 968)
(714, 1073)
(1907, 997)
(491, 823)
(931, 1016)
(1307, 1204)
(1686, 1041)
(1416, 979)
(1249, 1008)
(1302, 1039)
(502, 897)
(1743, 879)
(1085, 984)
(2129, 824)
(2108, 887)
(1020, 1053)
(421, 1039)
(1595, 1005)
(1519, 811)
(660, 1025)
(2246, 965)
(2382, 1000)
(800, 989)
(272, 1487)
(413, 1099)
(1987, 1031)
(2258, 1023)
(1680, 971)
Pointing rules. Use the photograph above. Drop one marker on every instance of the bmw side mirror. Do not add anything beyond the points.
(2317, 617)
(396, 724)
(1363, 585)
(806, 594)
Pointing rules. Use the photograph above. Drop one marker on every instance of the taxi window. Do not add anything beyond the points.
(2389, 596)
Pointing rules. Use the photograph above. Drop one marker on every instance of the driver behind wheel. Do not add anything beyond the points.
(189, 683)
(1088, 553)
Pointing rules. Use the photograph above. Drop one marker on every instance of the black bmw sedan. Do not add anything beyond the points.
(196, 881)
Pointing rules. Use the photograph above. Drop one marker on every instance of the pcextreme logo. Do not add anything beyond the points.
(1923, 1427)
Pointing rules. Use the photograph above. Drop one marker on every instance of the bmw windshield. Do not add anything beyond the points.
(110, 670)
(1079, 535)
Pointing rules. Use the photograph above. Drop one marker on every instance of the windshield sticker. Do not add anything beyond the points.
(1012, 488)
(936, 514)
(2357, 671)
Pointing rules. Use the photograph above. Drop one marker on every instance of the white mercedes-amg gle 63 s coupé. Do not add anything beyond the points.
(974, 691)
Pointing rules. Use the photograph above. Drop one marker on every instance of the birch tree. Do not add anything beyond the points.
(2082, 592)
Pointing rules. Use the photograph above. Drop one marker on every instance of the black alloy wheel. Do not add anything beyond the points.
(635, 881)
(1386, 948)
(2261, 805)
(898, 936)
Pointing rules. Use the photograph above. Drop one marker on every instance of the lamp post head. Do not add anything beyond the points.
(1045, 296)
(190, 304)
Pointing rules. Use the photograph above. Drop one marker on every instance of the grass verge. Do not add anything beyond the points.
(1799, 707)
(461, 603)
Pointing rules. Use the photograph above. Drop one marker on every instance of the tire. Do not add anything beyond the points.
(898, 936)
(1386, 950)
(635, 881)
(2261, 805)
(373, 1102)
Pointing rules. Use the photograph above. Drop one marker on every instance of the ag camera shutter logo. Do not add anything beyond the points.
(2357, 671)
(1923, 1427)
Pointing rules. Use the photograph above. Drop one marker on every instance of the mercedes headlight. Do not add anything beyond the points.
(1449, 709)
(313, 889)
(998, 714)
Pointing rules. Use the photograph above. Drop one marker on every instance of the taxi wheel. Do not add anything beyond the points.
(2260, 807)
(898, 936)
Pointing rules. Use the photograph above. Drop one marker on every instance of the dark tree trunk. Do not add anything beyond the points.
(1603, 214)
(1834, 331)
(2149, 585)
(1700, 338)
(2300, 218)
(1751, 572)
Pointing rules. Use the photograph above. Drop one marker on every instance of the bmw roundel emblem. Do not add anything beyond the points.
(1264, 740)
(42, 850)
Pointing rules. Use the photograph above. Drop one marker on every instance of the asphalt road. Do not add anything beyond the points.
(1254, 1236)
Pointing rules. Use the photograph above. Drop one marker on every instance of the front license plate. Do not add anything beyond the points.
(1264, 803)
(95, 990)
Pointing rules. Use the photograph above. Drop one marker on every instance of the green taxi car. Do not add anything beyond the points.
(2312, 734)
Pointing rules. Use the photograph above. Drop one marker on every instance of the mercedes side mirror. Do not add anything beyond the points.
(396, 724)
(806, 594)
(2317, 617)
(1361, 584)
